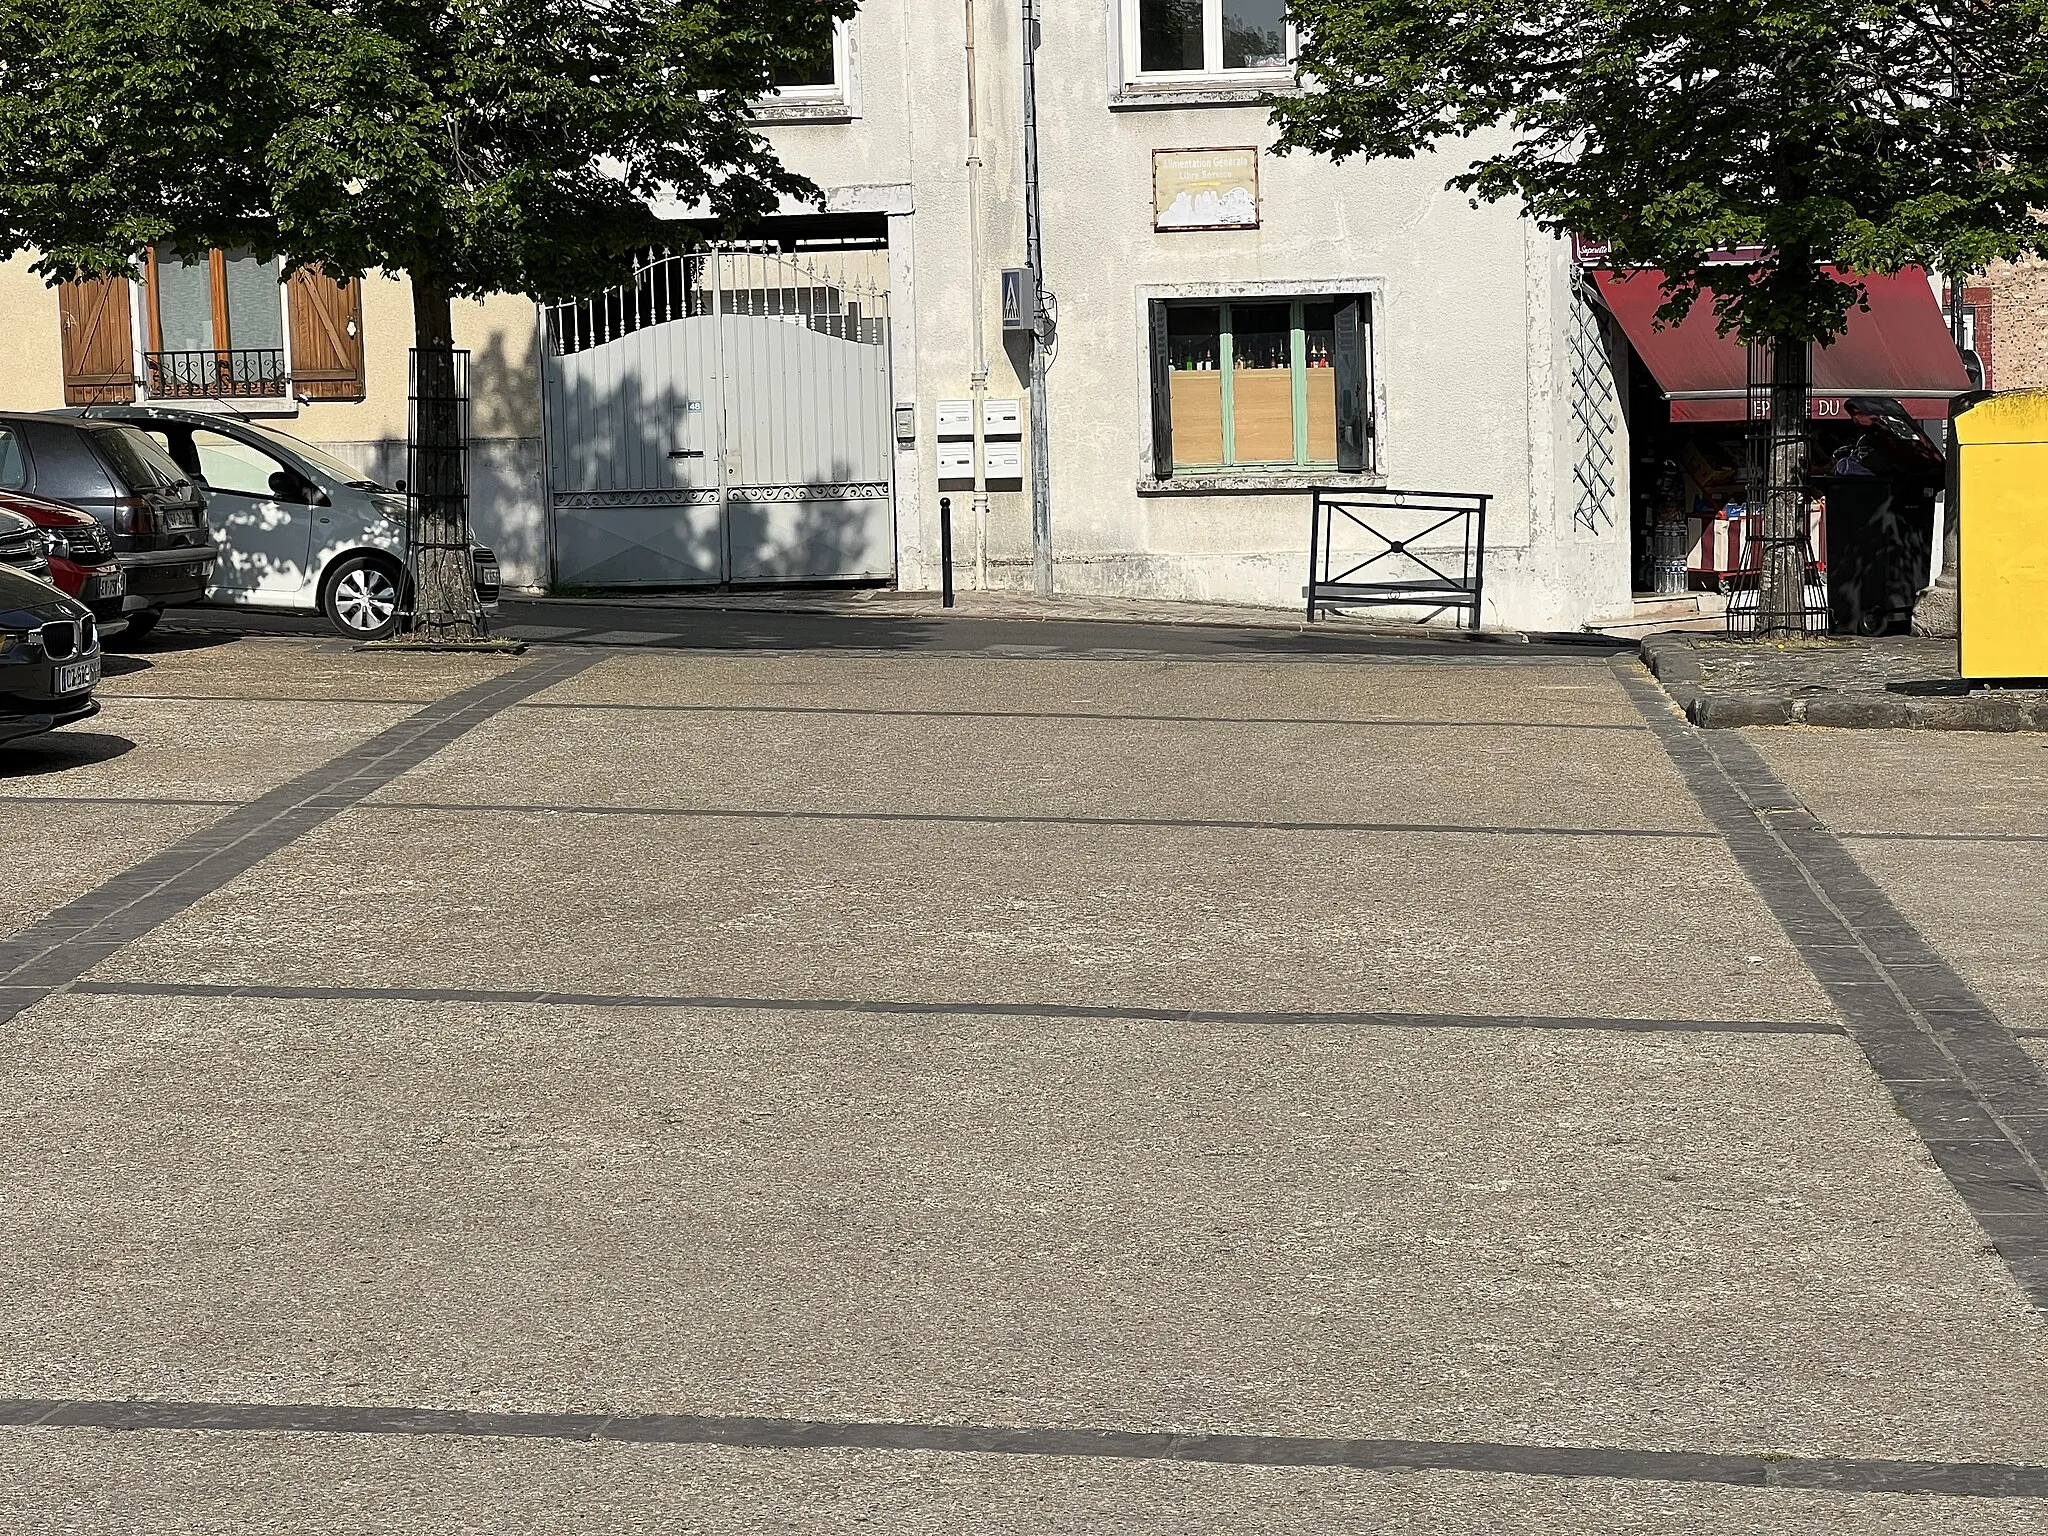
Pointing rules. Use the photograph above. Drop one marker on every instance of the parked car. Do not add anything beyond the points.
(49, 657)
(300, 528)
(80, 554)
(153, 511)
(22, 545)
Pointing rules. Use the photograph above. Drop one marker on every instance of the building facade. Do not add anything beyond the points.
(1233, 327)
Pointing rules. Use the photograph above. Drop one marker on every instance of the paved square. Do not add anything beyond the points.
(936, 1092)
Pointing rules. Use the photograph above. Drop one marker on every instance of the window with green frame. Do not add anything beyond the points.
(1259, 384)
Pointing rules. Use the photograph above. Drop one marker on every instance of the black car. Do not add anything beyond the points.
(49, 657)
(22, 545)
(132, 488)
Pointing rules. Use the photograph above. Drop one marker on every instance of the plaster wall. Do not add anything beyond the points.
(1470, 308)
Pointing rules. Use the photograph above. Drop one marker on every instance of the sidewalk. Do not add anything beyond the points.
(1900, 682)
(888, 602)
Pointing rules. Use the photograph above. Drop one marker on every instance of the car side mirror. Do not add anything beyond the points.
(286, 486)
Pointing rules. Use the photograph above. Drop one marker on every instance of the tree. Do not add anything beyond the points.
(1865, 135)
(478, 146)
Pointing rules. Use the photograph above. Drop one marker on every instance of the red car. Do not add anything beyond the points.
(81, 554)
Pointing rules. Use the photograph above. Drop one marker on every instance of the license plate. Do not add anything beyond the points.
(113, 584)
(76, 676)
(179, 517)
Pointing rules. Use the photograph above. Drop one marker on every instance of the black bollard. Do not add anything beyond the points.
(945, 551)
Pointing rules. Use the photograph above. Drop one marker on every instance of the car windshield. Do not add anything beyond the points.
(140, 461)
(326, 463)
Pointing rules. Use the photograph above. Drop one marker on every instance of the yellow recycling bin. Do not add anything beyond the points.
(2002, 506)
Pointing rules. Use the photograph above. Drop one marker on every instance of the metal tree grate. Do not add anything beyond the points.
(437, 485)
(1596, 414)
(1766, 437)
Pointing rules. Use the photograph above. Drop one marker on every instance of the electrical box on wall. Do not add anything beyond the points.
(956, 461)
(1020, 299)
(956, 418)
(906, 422)
(1002, 418)
(1004, 461)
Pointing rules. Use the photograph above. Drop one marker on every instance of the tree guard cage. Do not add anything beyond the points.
(439, 596)
(1417, 549)
(1778, 540)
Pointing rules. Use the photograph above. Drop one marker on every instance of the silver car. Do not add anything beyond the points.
(298, 528)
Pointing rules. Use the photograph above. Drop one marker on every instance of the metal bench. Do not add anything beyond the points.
(1363, 550)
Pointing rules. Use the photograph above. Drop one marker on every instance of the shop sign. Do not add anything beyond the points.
(1205, 188)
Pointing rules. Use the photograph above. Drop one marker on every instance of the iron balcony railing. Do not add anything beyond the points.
(244, 373)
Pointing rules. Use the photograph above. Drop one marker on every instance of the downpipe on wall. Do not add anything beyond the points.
(1034, 258)
(977, 319)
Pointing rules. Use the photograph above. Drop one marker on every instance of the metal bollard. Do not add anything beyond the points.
(945, 551)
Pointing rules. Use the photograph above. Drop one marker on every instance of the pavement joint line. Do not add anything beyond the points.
(693, 645)
(950, 1008)
(148, 800)
(1068, 714)
(971, 818)
(1944, 837)
(1918, 1023)
(62, 945)
(1848, 1475)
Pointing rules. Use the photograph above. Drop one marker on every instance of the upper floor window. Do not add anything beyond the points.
(1213, 37)
(216, 324)
(821, 76)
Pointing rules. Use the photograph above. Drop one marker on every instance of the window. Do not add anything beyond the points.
(235, 467)
(822, 74)
(1211, 37)
(1259, 385)
(13, 469)
(216, 324)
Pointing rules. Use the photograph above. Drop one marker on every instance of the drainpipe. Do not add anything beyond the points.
(1034, 258)
(978, 388)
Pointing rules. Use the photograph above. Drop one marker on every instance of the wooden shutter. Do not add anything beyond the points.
(326, 360)
(98, 341)
(1354, 394)
(1162, 393)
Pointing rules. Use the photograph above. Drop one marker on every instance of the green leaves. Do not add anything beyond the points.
(489, 145)
(1869, 133)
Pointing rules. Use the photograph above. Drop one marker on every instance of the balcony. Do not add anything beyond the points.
(243, 374)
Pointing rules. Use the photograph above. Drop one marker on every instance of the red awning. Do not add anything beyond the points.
(1899, 347)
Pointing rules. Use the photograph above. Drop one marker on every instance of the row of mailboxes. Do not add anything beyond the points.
(1002, 424)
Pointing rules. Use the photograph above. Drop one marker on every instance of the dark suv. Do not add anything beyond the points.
(133, 489)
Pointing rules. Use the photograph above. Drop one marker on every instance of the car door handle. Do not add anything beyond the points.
(686, 453)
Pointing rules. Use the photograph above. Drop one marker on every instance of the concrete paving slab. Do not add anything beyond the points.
(210, 666)
(1691, 1242)
(226, 749)
(1158, 917)
(96, 1483)
(1984, 908)
(50, 854)
(1456, 689)
(1489, 775)
(1914, 781)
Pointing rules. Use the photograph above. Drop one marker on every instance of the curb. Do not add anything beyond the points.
(1677, 668)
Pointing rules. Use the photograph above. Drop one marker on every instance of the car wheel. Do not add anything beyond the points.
(362, 597)
(140, 623)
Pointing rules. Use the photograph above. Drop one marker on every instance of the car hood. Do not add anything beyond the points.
(26, 602)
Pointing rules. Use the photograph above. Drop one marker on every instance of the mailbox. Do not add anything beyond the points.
(1004, 461)
(956, 461)
(1002, 418)
(956, 418)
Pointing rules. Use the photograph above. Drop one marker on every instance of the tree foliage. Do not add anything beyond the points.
(1868, 133)
(480, 145)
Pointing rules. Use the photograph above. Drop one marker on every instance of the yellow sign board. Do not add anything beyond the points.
(1205, 188)
(2002, 520)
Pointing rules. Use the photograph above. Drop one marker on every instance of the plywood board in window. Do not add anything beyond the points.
(1198, 417)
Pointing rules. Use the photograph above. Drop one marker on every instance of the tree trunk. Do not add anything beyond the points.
(1782, 556)
(445, 605)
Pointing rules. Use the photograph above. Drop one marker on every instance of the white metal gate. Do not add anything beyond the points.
(723, 419)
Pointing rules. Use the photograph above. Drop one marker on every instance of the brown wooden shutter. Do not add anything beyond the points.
(326, 336)
(98, 342)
